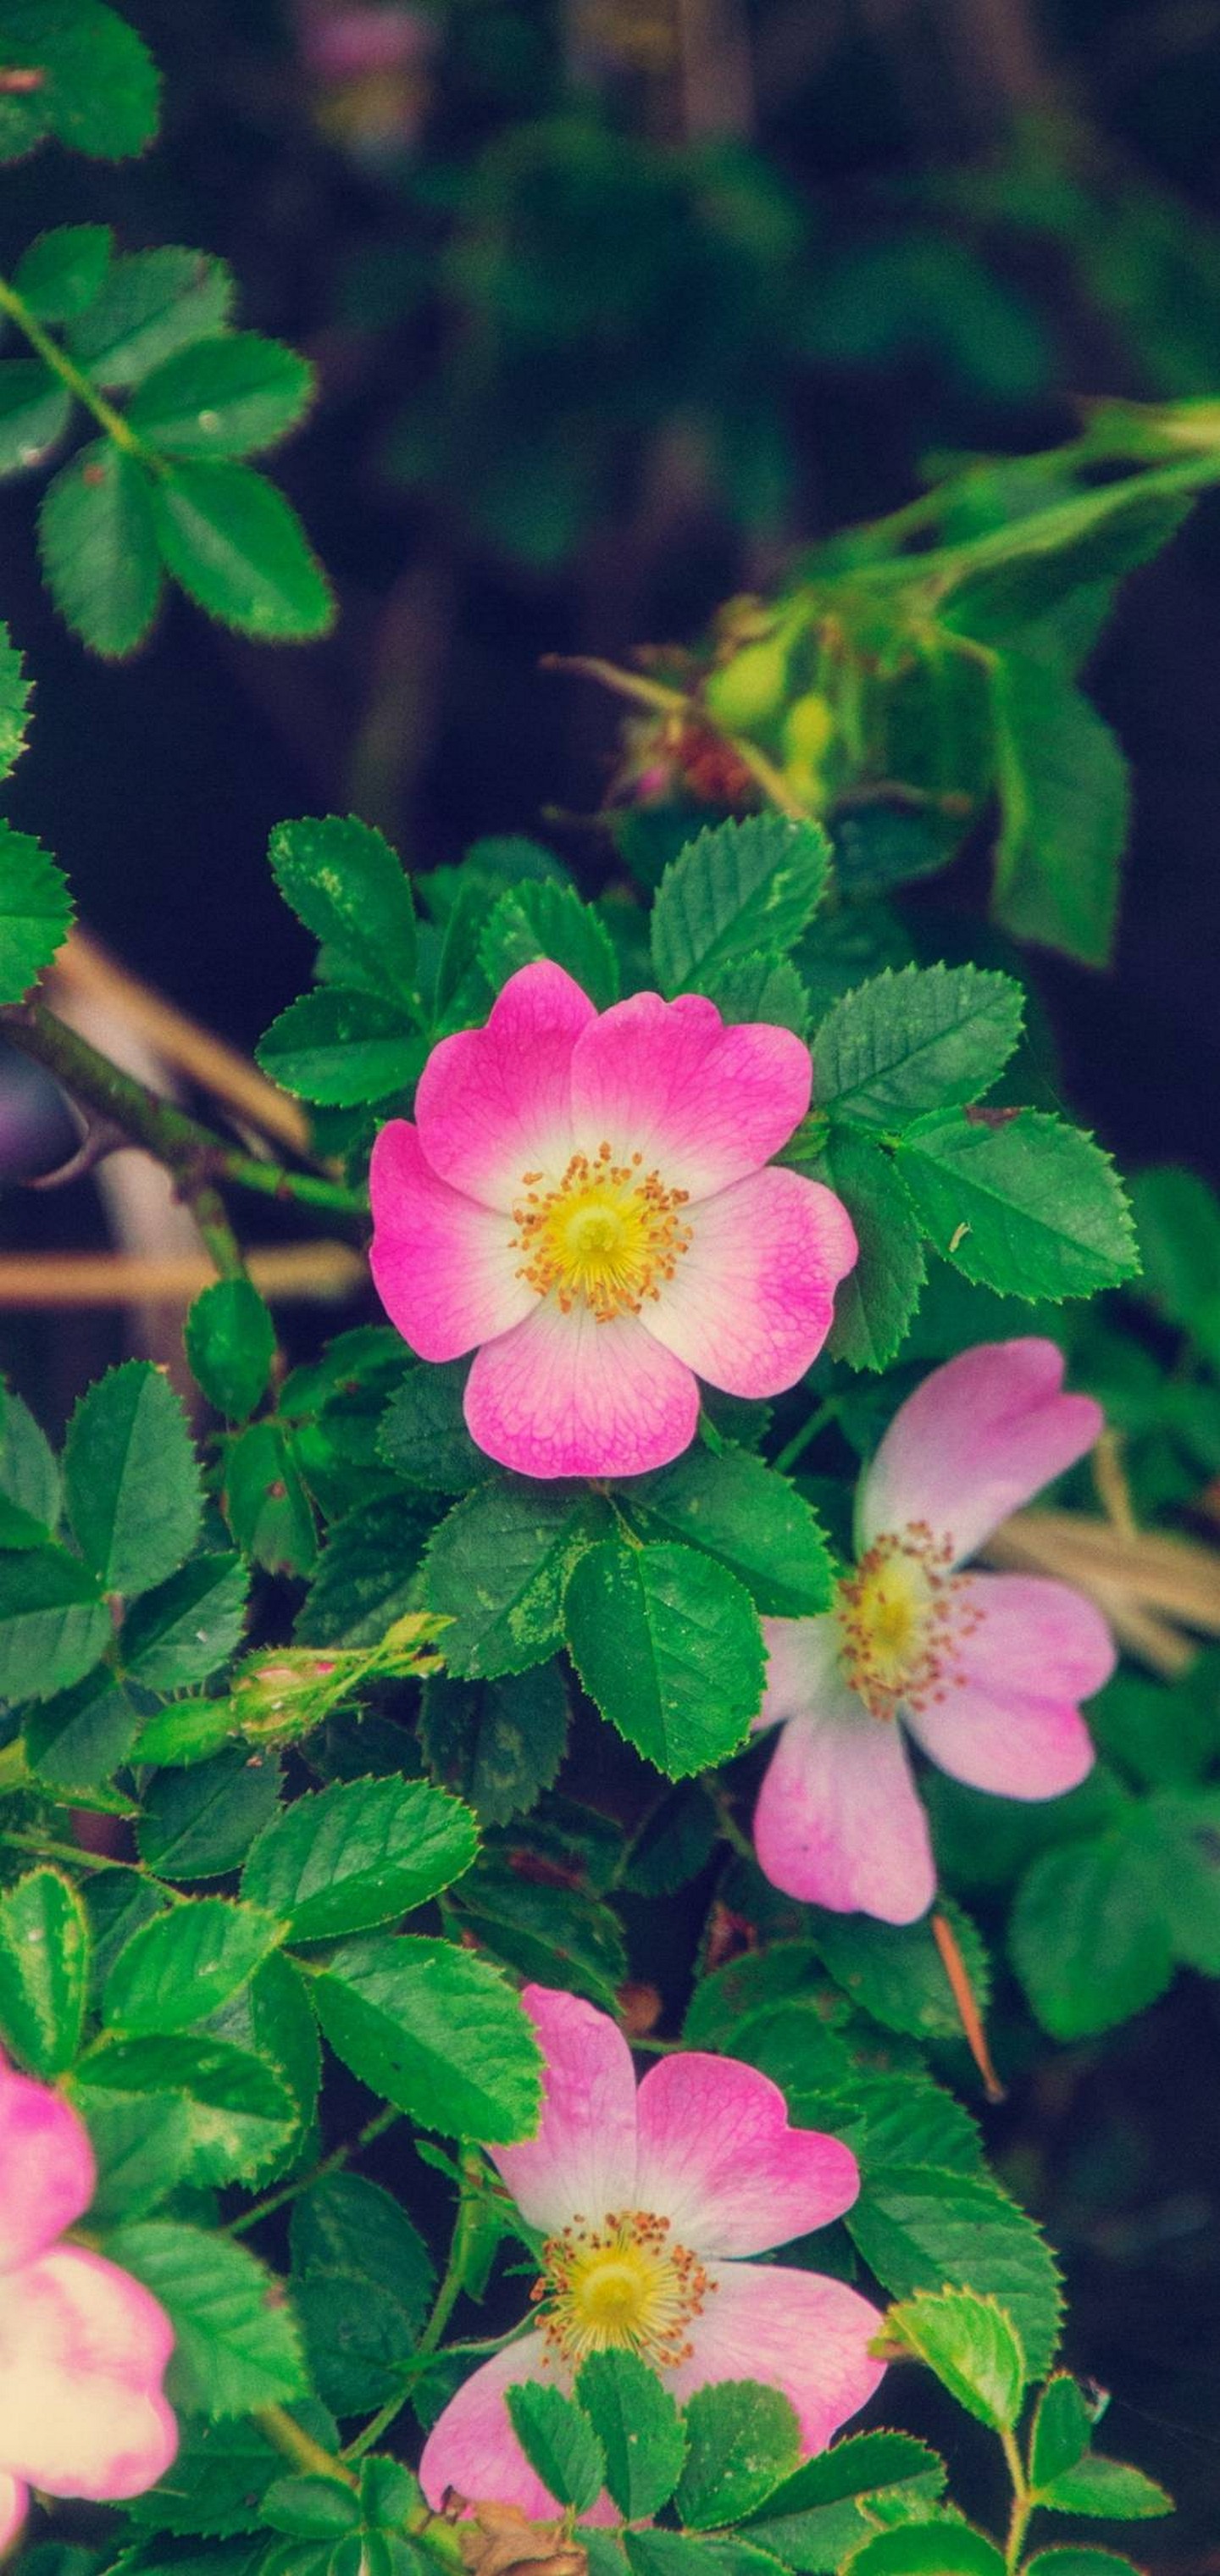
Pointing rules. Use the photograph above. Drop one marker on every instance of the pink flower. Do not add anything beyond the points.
(82, 2346)
(650, 2200)
(985, 1670)
(581, 1201)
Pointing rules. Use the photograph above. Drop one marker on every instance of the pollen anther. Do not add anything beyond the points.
(903, 1616)
(607, 1235)
(622, 2284)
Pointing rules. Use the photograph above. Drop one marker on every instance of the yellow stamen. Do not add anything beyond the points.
(902, 1617)
(606, 1236)
(621, 2285)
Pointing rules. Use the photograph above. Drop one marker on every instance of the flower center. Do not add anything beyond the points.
(606, 1236)
(902, 1616)
(622, 2284)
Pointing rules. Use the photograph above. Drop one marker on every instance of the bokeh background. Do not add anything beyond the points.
(614, 303)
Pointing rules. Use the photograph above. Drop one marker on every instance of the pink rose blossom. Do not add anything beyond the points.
(581, 1201)
(82, 2346)
(984, 1670)
(650, 2201)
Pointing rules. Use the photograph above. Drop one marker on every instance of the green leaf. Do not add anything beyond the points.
(349, 887)
(498, 1744)
(746, 1516)
(814, 2520)
(29, 1476)
(131, 1479)
(764, 987)
(230, 396)
(675, 1842)
(238, 2114)
(668, 1645)
(877, 847)
(1087, 1933)
(736, 889)
(555, 1936)
(434, 2030)
(201, 1823)
(560, 2444)
(929, 1037)
(311, 2508)
(1064, 799)
(972, 2347)
(742, 2440)
(362, 2283)
(98, 86)
(368, 1576)
(497, 1568)
(237, 2345)
(875, 1304)
(923, 2230)
(99, 550)
(929, 2549)
(54, 1625)
(895, 1971)
(14, 703)
(423, 1432)
(677, 2553)
(218, 2479)
(1029, 1206)
(230, 1345)
(151, 304)
(640, 2429)
(185, 1964)
(342, 1048)
(63, 270)
(265, 1502)
(76, 1741)
(35, 912)
(1107, 2488)
(1078, 2562)
(44, 1970)
(538, 919)
(238, 548)
(1062, 2431)
(182, 1633)
(359, 1853)
(34, 413)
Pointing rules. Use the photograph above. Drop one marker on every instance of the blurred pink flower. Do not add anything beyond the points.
(82, 2346)
(582, 1201)
(984, 1670)
(651, 2201)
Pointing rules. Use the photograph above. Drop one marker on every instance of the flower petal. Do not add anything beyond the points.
(47, 2173)
(14, 2501)
(444, 1267)
(1013, 1724)
(495, 1103)
(718, 2159)
(752, 1299)
(803, 1668)
(838, 1820)
(701, 1103)
(975, 1441)
(565, 1395)
(794, 2331)
(472, 2446)
(82, 2351)
(582, 2162)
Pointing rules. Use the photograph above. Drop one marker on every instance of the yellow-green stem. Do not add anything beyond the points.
(74, 378)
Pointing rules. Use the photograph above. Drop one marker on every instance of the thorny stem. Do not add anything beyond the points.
(74, 377)
(300, 2447)
(1022, 2503)
(450, 2289)
(333, 2163)
(197, 1158)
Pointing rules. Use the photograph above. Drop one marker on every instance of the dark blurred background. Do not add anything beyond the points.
(614, 303)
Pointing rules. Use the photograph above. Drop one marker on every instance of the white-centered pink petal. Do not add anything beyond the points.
(583, 2161)
(804, 1668)
(14, 2500)
(752, 1300)
(794, 2330)
(1012, 1723)
(701, 1103)
(565, 1395)
(838, 1821)
(975, 1441)
(496, 1102)
(719, 2160)
(472, 2450)
(82, 2352)
(47, 2172)
(444, 1267)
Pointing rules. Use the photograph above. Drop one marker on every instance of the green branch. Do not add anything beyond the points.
(74, 378)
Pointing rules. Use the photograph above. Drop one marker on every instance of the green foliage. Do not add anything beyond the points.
(1019, 1202)
(668, 1645)
(357, 1854)
(62, 272)
(183, 1965)
(923, 2229)
(743, 2440)
(230, 1343)
(744, 1516)
(230, 396)
(96, 86)
(44, 1970)
(559, 2443)
(497, 1569)
(877, 1301)
(35, 912)
(98, 541)
(341, 1048)
(538, 919)
(1064, 791)
(924, 1039)
(361, 2282)
(345, 883)
(237, 548)
(131, 1483)
(236, 2347)
(148, 306)
(640, 2430)
(971, 2346)
(433, 2030)
(738, 889)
